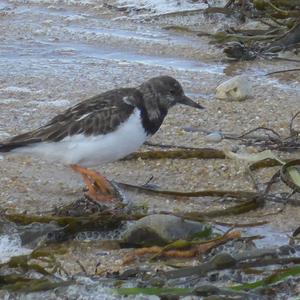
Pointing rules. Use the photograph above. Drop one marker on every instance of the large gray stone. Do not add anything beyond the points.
(160, 230)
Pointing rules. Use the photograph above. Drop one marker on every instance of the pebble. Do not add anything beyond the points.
(190, 129)
(214, 137)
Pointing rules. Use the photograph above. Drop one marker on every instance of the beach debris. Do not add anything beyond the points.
(237, 88)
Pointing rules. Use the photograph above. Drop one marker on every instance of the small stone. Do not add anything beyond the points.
(237, 88)
(214, 137)
(235, 148)
(251, 149)
(190, 129)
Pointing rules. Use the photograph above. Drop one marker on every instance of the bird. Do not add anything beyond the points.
(102, 129)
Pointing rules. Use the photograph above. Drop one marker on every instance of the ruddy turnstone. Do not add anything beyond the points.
(102, 129)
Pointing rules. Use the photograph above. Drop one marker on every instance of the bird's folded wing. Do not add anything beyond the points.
(95, 116)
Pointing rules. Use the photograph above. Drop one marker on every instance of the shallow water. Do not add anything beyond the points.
(10, 246)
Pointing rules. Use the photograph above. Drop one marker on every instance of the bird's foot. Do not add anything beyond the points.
(98, 187)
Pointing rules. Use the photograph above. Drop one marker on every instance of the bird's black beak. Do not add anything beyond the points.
(189, 102)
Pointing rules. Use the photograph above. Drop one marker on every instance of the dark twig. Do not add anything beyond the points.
(287, 59)
(241, 225)
(260, 128)
(282, 71)
(275, 178)
(81, 267)
(167, 146)
(293, 132)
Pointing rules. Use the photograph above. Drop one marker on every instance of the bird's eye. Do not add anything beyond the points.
(172, 92)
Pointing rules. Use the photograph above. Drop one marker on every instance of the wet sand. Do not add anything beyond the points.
(53, 56)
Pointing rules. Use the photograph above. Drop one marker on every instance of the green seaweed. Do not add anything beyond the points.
(203, 153)
(178, 245)
(202, 235)
(19, 283)
(240, 208)
(72, 225)
(265, 163)
(179, 29)
(274, 278)
(30, 262)
(204, 193)
(289, 174)
(48, 251)
(22, 261)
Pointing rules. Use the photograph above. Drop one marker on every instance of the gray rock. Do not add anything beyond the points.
(160, 230)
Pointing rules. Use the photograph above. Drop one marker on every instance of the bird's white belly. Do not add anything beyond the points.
(93, 150)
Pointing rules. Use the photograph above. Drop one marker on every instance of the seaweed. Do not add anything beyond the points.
(223, 261)
(181, 248)
(41, 261)
(203, 153)
(277, 276)
(281, 17)
(19, 283)
(71, 225)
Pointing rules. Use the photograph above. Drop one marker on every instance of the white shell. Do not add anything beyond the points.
(214, 137)
(237, 88)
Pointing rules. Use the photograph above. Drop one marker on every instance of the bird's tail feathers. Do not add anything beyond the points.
(11, 145)
(7, 147)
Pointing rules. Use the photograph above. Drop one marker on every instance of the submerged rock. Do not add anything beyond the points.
(34, 234)
(161, 229)
(237, 88)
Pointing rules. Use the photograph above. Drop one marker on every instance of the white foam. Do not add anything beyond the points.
(10, 245)
(52, 2)
(161, 6)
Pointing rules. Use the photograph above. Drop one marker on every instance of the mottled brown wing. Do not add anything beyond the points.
(98, 115)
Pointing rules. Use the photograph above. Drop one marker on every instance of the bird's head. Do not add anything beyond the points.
(169, 92)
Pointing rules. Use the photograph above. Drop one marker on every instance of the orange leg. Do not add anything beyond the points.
(95, 183)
